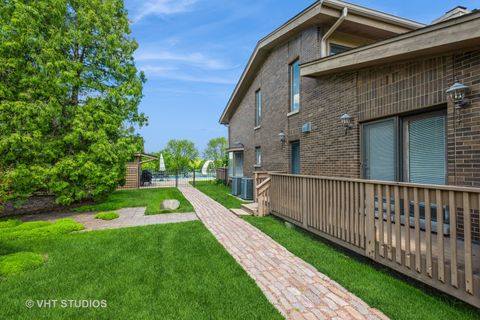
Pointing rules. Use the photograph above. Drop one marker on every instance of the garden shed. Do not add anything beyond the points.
(134, 170)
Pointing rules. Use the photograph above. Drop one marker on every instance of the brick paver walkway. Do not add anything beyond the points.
(293, 286)
(129, 217)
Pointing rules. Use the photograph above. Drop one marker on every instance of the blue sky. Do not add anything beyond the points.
(194, 51)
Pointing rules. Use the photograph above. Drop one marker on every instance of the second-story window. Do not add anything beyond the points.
(258, 108)
(295, 86)
(336, 49)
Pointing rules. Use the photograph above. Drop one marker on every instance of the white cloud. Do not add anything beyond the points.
(196, 59)
(163, 7)
(175, 74)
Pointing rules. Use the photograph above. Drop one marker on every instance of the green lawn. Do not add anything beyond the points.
(173, 271)
(396, 298)
(220, 193)
(150, 198)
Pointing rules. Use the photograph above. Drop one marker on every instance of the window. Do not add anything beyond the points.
(336, 49)
(235, 164)
(295, 86)
(258, 156)
(230, 164)
(412, 149)
(238, 164)
(258, 108)
(295, 157)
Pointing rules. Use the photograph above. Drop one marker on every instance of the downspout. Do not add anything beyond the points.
(323, 49)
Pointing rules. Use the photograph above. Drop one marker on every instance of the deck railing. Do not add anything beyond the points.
(259, 177)
(427, 232)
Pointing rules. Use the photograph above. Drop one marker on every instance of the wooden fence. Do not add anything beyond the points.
(222, 174)
(427, 232)
(132, 176)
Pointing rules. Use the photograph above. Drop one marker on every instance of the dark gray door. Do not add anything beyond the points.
(295, 157)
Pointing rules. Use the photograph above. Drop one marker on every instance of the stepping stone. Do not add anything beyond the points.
(170, 204)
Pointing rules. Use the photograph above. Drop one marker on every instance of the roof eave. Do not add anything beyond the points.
(292, 24)
(448, 35)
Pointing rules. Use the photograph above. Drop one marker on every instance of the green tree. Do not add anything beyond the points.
(180, 153)
(217, 151)
(69, 95)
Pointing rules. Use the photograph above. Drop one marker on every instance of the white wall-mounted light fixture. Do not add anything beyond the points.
(457, 94)
(346, 120)
(282, 137)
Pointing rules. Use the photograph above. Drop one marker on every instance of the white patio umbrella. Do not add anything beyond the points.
(205, 167)
(162, 164)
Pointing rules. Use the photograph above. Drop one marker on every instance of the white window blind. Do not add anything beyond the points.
(379, 151)
(426, 150)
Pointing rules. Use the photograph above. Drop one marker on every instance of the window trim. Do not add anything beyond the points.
(291, 95)
(258, 113)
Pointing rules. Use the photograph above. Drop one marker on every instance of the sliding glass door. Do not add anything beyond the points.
(411, 149)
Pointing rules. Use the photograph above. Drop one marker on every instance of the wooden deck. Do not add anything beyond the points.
(346, 211)
(460, 247)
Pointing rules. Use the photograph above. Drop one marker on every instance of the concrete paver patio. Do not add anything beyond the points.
(293, 286)
(129, 217)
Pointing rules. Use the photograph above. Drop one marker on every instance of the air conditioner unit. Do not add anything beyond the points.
(307, 127)
(247, 189)
(236, 186)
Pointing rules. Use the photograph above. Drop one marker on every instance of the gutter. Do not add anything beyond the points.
(324, 51)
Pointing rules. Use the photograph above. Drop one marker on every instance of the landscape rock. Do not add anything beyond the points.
(170, 204)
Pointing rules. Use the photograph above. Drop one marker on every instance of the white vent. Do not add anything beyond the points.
(307, 127)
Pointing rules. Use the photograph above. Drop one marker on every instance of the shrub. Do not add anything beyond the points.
(107, 215)
(219, 181)
(20, 261)
(10, 223)
(38, 229)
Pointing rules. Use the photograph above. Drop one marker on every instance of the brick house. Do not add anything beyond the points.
(388, 73)
(347, 110)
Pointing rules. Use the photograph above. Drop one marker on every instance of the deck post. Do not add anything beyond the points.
(304, 203)
(370, 220)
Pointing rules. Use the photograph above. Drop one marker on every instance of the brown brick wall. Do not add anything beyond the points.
(403, 88)
(327, 150)
(373, 93)
(273, 79)
(466, 154)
